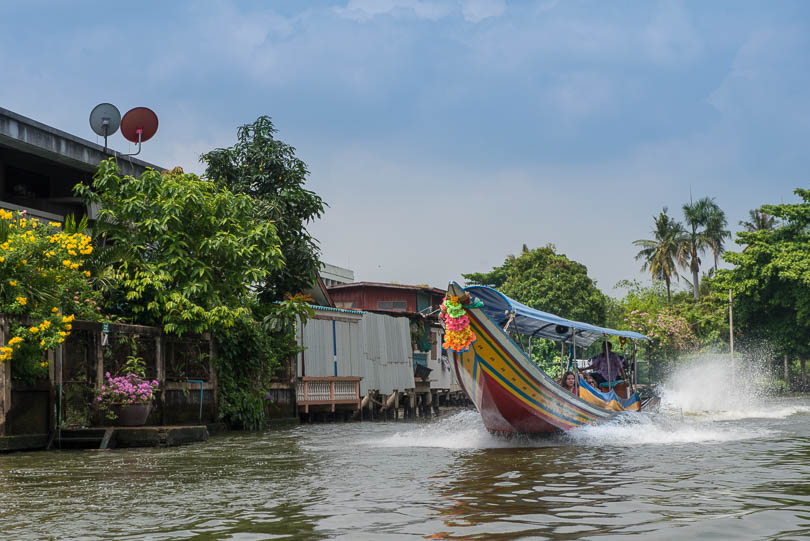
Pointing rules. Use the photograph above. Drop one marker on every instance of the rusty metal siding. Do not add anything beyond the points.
(367, 298)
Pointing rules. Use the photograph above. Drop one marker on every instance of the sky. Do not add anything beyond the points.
(446, 134)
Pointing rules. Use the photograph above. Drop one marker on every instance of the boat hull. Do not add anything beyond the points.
(513, 395)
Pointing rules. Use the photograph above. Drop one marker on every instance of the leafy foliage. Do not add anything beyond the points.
(706, 223)
(248, 358)
(268, 170)
(660, 253)
(43, 276)
(771, 278)
(545, 280)
(189, 251)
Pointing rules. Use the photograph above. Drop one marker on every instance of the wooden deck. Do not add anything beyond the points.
(327, 391)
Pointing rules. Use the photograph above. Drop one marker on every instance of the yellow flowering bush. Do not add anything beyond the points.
(42, 283)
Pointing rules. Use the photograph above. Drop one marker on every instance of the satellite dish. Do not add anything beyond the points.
(104, 120)
(139, 124)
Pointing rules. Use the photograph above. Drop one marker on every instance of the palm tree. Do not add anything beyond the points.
(760, 221)
(696, 240)
(660, 254)
(715, 230)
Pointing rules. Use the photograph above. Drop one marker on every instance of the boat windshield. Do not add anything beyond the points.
(531, 322)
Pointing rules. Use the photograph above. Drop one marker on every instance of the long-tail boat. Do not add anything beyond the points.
(512, 393)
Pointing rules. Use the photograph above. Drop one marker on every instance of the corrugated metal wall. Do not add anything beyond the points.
(375, 347)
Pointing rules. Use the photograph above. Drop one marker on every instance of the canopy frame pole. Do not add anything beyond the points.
(576, 368)
(635, 362)
(562, 357)
(606, 352)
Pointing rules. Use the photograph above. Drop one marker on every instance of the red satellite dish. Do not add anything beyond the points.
(139, 124)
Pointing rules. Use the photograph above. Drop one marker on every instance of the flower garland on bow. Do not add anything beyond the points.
(458, 335)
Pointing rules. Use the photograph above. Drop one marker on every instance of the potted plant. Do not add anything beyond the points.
(128, 397)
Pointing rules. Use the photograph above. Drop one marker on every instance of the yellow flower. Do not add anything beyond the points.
(45, 324)
(22, 300)
(68, 319)
(42, 342)
(68, 326)
(24, 261)
(15, 340)
(12, 282)
(54, 309)
(66, 262)
(87, 274)
(62, 333)
(33, 330)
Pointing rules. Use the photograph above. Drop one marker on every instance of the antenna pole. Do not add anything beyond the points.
(731, 332)
(140, 134)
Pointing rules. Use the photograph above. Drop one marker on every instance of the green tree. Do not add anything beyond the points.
(268, 170)
(545, 280)
(694, 244)
(190, 252)
(770, 279)
(758, 221)
(716, 232)
(660, 254)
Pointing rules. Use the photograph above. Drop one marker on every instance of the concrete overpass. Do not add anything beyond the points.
(39, 165)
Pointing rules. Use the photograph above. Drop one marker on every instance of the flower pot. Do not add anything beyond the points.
(132, 414)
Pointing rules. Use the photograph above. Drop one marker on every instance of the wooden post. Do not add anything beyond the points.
(99, 360)
(160, 372)
(332, 394)
(212, 375)
(5, 382)
(396, 405)
(52, 394)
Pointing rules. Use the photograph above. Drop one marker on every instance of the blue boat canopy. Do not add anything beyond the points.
(531, 322)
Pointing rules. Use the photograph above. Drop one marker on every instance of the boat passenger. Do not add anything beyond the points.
(606, 365)
(568, 382)
(590, 381)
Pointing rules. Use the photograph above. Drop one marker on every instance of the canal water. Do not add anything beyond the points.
(712, 464)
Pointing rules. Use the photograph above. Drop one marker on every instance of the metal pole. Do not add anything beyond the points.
(576, 368)
(635, 363)
(731, 332)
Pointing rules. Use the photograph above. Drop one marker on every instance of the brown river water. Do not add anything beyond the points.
(698, 469)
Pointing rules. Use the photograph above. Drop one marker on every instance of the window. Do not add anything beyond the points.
(346, 305)
(398, 306)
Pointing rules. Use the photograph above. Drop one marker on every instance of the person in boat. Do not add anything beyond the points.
(568, 382)
(589, 380)
(607, 366)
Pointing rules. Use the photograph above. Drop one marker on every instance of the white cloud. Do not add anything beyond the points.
(477, 10)
(364, 10)
(767, 79)
(670, 38)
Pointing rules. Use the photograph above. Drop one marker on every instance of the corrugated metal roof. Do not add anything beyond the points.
(341, 310)
(386, 285)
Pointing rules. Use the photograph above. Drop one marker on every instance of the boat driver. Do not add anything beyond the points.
(607, 366)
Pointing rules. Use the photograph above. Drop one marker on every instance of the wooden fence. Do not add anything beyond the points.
(184, 368)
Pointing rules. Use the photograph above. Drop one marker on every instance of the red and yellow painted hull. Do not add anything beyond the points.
(513, 395)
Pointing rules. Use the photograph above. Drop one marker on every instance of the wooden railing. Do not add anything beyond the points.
(327, 391)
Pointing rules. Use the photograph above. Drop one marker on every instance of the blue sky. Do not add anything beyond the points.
(446, 134)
